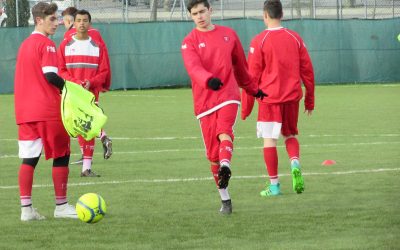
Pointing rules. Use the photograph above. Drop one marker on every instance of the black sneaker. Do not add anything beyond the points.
(224, 174)
(80, 161)
(107, 147)
(226, 207)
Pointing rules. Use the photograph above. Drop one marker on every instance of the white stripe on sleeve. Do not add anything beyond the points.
(48, 69)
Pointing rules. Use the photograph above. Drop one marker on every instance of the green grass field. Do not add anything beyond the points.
(160, 194)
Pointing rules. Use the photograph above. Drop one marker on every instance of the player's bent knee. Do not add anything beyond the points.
(214, 163)
(31, 161)
(270, 142)
(61, 161)
(225, 137)
(285, 137)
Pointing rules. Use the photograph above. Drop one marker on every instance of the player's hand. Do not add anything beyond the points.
(214, 83)
(86, 84)
(260, 94)
(308, 111)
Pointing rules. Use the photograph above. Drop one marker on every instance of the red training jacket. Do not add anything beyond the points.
(79, 60)
(216, 53)
(278, 63)
(96, 36)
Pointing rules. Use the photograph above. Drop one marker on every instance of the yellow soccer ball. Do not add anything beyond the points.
(91, 208)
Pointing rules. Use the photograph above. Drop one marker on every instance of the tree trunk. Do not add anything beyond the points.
(153, 7)
(23, 13)
(311, 8)
(297, 6)
(374, 10)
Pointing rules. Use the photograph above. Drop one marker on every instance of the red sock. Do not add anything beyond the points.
(271, 161)
(214, 171)
(81, 142)
(293, 148)
(225, 152)
(60, 181)
(25, 181)
(88, 149)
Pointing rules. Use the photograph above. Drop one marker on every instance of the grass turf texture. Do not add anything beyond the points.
(156, 138)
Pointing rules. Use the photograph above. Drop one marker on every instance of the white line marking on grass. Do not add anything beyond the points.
(364, 171)
(389, 85)
(151, 96)
(352, 144)
(237, 148)
(156, 138)
(359, 85)
(247, 137)
(356, 135)
(8, 156)
(256, 147)
(236, 137)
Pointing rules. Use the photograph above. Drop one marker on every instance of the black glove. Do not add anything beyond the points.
(260, 94)
(214, 83)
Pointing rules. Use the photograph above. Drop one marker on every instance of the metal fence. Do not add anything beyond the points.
(165, 10)
(107, 11)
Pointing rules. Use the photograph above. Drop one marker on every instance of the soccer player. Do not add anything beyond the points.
(279, 63)
(68, 18)
(84, 60)
(216, 63)
(37, 111)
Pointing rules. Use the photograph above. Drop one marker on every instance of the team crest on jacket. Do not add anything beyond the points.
(226, 38)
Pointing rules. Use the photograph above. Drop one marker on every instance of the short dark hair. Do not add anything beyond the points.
(193, 3)
(70, 11)
(273, 8)
(43, 9)
(83, 12)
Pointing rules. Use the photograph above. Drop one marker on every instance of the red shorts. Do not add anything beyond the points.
(50, 135)
(219, 122)
(275, 119)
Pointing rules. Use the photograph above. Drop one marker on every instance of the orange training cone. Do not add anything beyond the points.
(328, 163)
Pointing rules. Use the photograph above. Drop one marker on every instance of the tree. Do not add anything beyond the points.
(153, 8)
(311, 8)
(23, 13)
(297, 6)
(349, 3)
